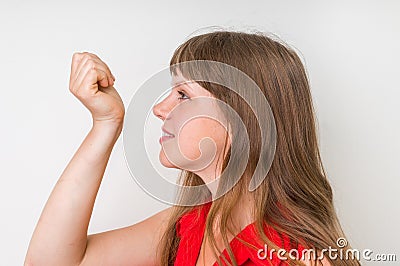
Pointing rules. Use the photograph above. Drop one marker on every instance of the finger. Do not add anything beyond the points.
(94, 71)
(76, 58)
(100, 64)
(83, 60)
(88, 87)
(96, 58)
(90, 82)
(90, 63)
(106, 69)
(103, 79)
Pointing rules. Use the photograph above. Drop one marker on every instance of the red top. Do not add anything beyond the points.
(190, 229)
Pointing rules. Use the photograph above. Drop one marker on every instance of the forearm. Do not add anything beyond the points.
(61, 232)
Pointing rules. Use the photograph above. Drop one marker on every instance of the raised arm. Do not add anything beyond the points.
(60, 236)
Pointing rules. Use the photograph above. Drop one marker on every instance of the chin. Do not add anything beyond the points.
(164, 161)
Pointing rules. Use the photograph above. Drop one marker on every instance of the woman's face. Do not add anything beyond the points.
(193, 135)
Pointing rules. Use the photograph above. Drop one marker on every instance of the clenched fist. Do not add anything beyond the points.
(91, 81)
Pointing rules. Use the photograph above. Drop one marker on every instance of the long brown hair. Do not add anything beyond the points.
(295, 198)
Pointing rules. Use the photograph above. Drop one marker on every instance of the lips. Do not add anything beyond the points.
(166, 132)
(166, 135)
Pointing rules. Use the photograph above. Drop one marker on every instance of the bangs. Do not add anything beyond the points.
(198, 48)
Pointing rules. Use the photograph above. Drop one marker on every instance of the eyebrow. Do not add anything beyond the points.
(180, 82)
(185, 84)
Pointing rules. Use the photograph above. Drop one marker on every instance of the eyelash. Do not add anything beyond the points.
(183, 95)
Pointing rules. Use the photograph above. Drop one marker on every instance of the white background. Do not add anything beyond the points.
(351, 52)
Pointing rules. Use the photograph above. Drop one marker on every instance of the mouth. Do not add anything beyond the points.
(166, 135)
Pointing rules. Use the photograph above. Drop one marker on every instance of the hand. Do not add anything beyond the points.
(92, 83)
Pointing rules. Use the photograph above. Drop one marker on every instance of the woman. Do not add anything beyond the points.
(291, 208)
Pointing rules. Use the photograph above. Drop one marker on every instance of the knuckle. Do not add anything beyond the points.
(85, 56)
(89, 55)
(92, 71)
(76, 57)
(91, 63)
(92, 55)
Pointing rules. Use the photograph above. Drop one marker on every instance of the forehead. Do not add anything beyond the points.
(178, 80)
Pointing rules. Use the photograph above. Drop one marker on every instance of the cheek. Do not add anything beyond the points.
(201, 135)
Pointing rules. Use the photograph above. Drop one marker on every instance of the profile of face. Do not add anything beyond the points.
(193, 133)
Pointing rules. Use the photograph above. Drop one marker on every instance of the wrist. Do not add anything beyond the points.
(113, 127)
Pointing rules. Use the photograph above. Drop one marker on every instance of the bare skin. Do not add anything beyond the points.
(60, 237)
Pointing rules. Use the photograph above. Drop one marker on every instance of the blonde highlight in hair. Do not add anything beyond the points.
(295, 198)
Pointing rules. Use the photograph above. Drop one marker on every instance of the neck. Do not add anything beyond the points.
(243, 212)
(210, 177)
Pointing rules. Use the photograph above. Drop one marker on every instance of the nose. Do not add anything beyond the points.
(161, 110)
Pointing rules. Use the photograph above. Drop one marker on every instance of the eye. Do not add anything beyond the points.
(183, 96)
